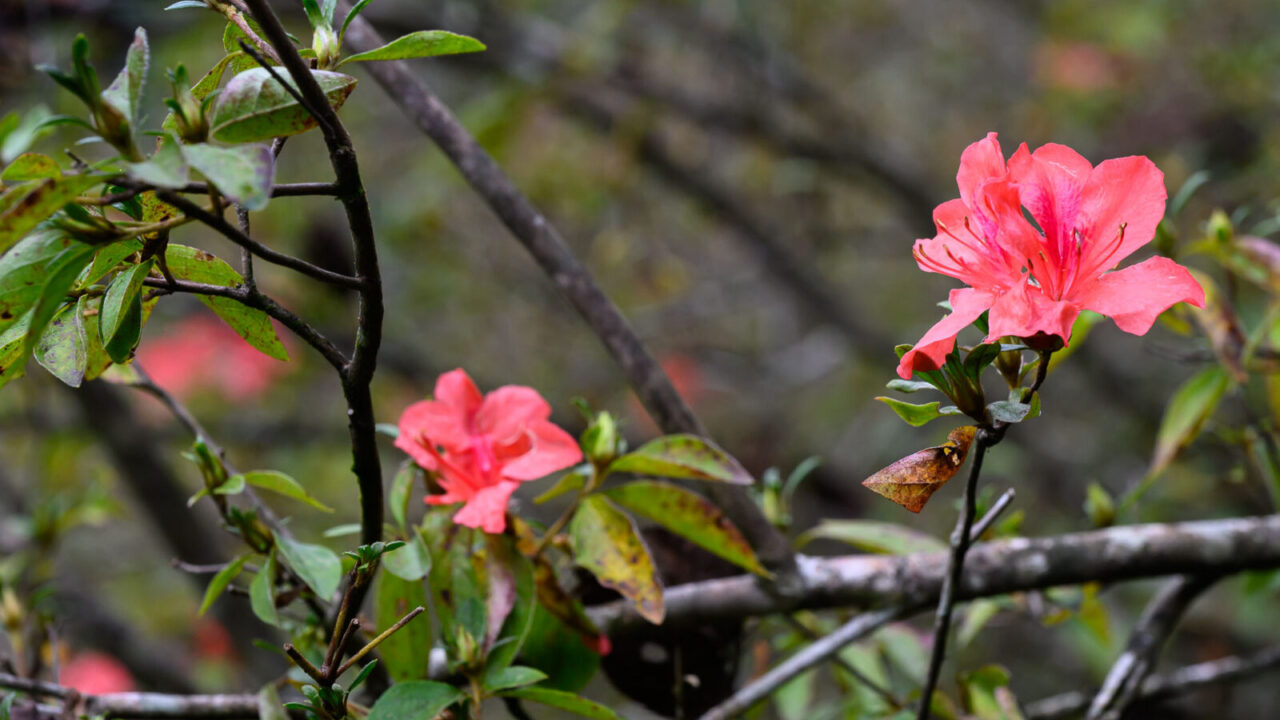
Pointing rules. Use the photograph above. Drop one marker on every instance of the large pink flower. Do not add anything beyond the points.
(1038, 279)
(483, 447)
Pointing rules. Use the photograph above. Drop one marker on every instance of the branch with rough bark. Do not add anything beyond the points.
(1116, 554)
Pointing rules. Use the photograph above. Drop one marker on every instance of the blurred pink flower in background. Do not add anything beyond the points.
(201, 353)
(95, 673)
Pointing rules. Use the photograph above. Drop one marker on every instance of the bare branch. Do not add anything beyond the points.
(1123, 683)
(1179, 682)
(1115, 554)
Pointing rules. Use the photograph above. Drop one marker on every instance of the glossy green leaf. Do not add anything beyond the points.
(220, 582)
(401, 489)
(424, 43)
(1010, 412)
(96, 359)
(125, 92)
(909, 386)
(62, 272)
(278, 482)
(605, 542)
(122, 292)
(120, 347)
(63, 347)
(317, 566)
(262, 593)
(406, 651)
(690, 516)
(873, 536)
(24, 271)
(683, 456)
(243, 173)
(24, 206)
(1191, 406)
(188, 263)
(510, 677)
(414, 700)
(351, 16)
(31, 166)
(253, 107)
(109, 258)
(914, 415)
(564, 701)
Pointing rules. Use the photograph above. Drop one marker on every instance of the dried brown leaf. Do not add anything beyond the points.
(913, 479)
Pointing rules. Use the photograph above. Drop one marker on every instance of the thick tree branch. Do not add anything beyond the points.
(993, 568)
(139, 704)
(549, 250)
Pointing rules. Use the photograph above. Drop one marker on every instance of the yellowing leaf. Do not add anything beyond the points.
(605, 542)
(913, 479)
(1188, 409)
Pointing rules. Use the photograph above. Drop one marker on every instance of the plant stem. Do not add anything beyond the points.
(960, 542)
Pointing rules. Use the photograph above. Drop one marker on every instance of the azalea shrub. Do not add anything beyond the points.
(511, 534)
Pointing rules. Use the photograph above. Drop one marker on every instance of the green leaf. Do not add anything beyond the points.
(220, 582)
(873, 536)
(96, 359)
(414, 700)
(564, 701)
(979, 358)
(125, 92)
(122, 293)
(262, 593)
(63, 348)
(31, 166)
(510, 677)
(120, 348)
(182, 4)
(355, 11)
(1188, 410)
(278, 482)
(61, 274)
(188, 263)
(909, 386)
(314, 15)
(976, 616)
(406, 651)
(683, 456)
(412, 561)
(12, 366)
(269, 705)
(24, 271)
(690, 516)
(569, 482)
(317, 566)
(233, 485)
(327, 8)
(254, 107)
(515, 630)
(166, 168)
(401, 489)
(109, 258)
(555, 649)
(913, 415)
(1009, 411)
(243, 174)
(605, 542)
(18, 133)
(25, 206)
(424, 43)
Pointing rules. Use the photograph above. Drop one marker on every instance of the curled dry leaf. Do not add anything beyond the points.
(913, 479)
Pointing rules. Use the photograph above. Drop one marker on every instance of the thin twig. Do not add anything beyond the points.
(1123, 683)
(378, 640)
(841, 663)
(764, 686)
(218, 223)
(1179, 682)
(993, 514)
(960, 540)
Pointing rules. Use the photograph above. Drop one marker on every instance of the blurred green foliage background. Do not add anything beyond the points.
(745, 178)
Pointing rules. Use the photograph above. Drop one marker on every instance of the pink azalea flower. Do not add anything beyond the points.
(483, 447)
(1038, 280)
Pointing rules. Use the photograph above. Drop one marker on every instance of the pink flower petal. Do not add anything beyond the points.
(1026, 310)
(456, 390)
(487, 509)
(931, 351)
(553, 449)
(506, 411)
(1129, 191)
(979, 163)
(1135, 296)
(1051, 181)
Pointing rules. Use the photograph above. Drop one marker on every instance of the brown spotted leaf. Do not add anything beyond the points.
(683, 456)
(605, 542)
(913, 479)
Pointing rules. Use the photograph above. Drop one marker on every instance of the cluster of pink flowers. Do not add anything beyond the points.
(1037, 280)
(483, 447)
